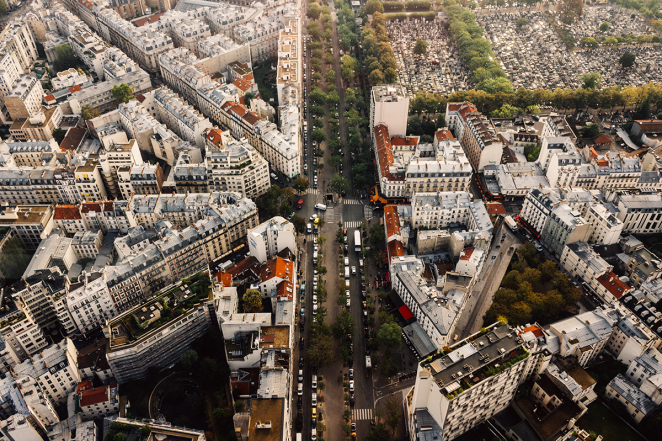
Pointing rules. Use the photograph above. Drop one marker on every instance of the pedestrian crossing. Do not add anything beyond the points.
(361, 414)
(352, 224)
(351, 202)
(310, 237)
(312, 191)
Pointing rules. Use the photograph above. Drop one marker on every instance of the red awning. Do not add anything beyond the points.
(406, 313)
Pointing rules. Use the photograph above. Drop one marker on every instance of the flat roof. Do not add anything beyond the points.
(264, 410)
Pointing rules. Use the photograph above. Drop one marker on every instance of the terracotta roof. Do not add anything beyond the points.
(151, 19)
(251, 117)
(242, 84)
(466, 254)
(241, 267)
(277, 267)
(97, 395)
(613, 284)
(462, 108)
(395, 249)
(49, 97)
(249, 77)
(443, 135)
(385, 153)
(391, 220)
(407, 140)
(649, 124)
(495, 208)
(602, 139)
(140, 98)
(73, 138)
(533, 328)
(594, 154)
(285, 289)
(75, 88)
(66, 212)
(602, 162)
(224, 278)
(214, 136)
(86, 207)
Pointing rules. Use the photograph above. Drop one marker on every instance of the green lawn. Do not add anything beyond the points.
(265, 86)
(603, 421)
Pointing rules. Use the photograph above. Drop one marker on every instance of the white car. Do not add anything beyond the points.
(314, 299)
(313, 402)
(346, 261)
(313, 217)
(353, 270)
(347, 293)
(300, 389)
(351, 386)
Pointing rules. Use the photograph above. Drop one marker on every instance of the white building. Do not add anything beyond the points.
(582, 262)
(271, 237)
(630, 340)
(181, 117)
(69, 78)
(389, 106)
(23, 338)
(54, 369)
(96, 402)
(640, 212)
(89, 302)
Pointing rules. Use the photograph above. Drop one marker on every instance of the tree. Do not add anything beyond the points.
(343, 326)
(13, 259)
(604, 26)
(123, 93)
(318, 135)
(189, 359)
(314, 11)
(321, 352)
(119, 437)
(330, 76)
(314, 30)
(299, 224)
(3, 7)
(377, 236)
(65, 58)
(376, 77)
(421, 47)
(441, 121)
(591, 80)
(332, 97)
(378, 432)
(373, 6)
(392, 412)
(591, 131)
(89, 113)
(252, 300)
(522, 22)
(339, 184)
(301, 184)
(589, 42)
(627, 59)
(248, 96)
(335, 161)
(390, 335)
(58, 135)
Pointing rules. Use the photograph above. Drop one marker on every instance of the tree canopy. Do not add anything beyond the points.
(123, 93)
(421, 47)
(339, 184)
(627, 59)
(65, 58)
(252, 300)
(591, 80)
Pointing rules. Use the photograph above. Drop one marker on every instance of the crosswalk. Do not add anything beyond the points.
(312, 191)
(352, 224)
(361, 414)
(310, 237)
(351, 202)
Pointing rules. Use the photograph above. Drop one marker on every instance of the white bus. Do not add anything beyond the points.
(357, 241)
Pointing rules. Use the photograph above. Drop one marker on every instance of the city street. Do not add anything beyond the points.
(488, 282)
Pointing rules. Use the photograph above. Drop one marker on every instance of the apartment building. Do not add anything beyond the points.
(606, 228)
(459, 390)
(179, 71)
(38, 412)
(87, 244)
(188, 176)
(223, 50)
(556, 126)
(95, 402)
(281, 150)
(23, 338)
(583, 336)
(38, 127)
(181, 117)
(107, 216)
(30, 153)
(641, 265)
(161, 342)
(36, 295)
(440, 210)
(270, 238)
(631, 339)
(644, 371)
(88, 47)
(128, 9)
(118, 153)
(30, 223)
(480, 141)
(89, 181)
(235, 166)
(212, 96)
(70, 78)
(552, 146)
(24, 99)
(564, 225)
(289, 71)
(389, 106)
(262, 36)
(99, 96)
(636, 402)
(640, 213)
(117, 64)
(582, 262)
(455, 116)
(184, 30)
(143, 44)
(54, 369)
(140, 179)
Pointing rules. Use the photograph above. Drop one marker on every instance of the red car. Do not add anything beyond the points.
(299, 204)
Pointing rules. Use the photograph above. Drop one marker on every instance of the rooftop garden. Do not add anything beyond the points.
(489, 370)
(171, 303)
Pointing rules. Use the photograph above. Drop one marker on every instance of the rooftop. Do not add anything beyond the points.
(266, 412)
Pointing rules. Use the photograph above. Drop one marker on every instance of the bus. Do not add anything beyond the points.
(357, 241)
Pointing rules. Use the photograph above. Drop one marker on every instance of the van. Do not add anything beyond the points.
(309, 228)
(320, 207)
(346, 272)
(346, 261)
(300, 375)
(313, 434)
(315, 257)
(315, 384)
(360, 263)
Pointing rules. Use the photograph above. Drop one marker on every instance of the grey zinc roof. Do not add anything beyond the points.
(419, 339)
(632, 394)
